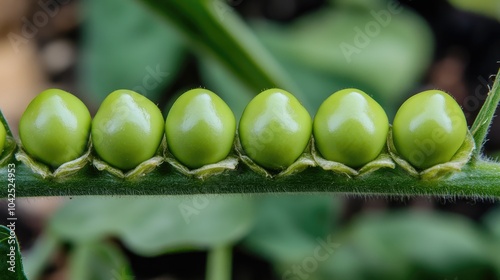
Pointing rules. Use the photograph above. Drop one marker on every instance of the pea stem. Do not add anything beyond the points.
(6, 125)
(219, 263)
(220, 33)
(481, 179)
(484, 118)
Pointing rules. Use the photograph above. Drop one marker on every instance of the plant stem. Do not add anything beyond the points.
(219, 263)
(217, 31)
(483, 120)
(479, 180)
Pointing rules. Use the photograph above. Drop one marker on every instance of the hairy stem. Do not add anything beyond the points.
(479, 180)
(484, 118)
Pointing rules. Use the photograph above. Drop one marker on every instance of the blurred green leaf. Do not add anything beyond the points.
(351, 261)
(492, 222)
(489, 8)
(126, 47)
(288, 226)
(218, 79)
(98, 261)
(40, 254)
(409, 245)
(358, 4)
(317, 84)
(211, 28)
(154, 225)
(11, 265)
(382, 52)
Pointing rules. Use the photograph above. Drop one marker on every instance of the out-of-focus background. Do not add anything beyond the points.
(389, 49)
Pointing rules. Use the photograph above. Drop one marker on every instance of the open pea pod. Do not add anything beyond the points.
(382, 161)
(429, 137)
(140, 170)
(477, 178)
(229, 163)
(457, 162)
(304, 161)
(44, 171)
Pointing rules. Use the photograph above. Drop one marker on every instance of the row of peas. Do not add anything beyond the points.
(350, 127)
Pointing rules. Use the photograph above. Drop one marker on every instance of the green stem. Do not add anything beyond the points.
(225, 36)
(483, 120)
(219, 262)
(479, 180)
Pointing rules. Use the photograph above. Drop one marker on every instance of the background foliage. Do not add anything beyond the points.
(162, 48)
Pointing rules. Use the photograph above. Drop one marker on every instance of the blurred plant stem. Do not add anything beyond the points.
(211, 28)
(219, 263)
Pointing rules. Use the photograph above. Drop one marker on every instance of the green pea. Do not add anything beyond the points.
(275, 129)
(55, 127)
(429, 128)
(350, 127)
(127, 129)
(200, 128)
(3, 136)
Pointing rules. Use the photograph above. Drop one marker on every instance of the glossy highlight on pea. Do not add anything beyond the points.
(55, 127)
(127, 129)
(350, 127)
(275, 129)
(200, 128)
(429, 128)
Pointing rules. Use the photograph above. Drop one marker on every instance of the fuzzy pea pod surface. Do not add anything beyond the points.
(479, 178)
